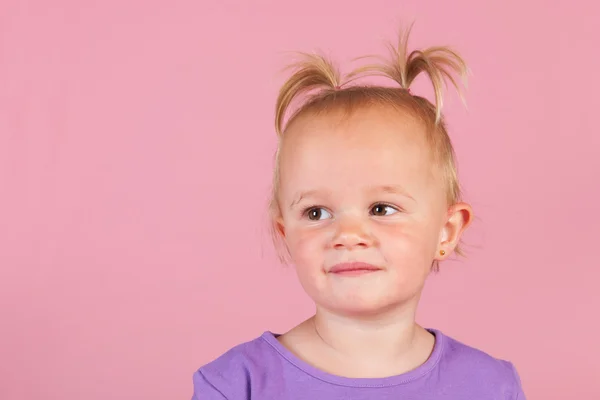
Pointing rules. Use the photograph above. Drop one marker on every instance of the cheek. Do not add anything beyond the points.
(307, 253)
(408, 254)
(306, 245)
(412, 243)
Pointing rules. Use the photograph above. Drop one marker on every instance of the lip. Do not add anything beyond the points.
(353, 268)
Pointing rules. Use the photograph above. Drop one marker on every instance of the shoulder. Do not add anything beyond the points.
(472, 363)
(232, 375)
(459, 355)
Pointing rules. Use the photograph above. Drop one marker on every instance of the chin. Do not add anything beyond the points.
(360, 306)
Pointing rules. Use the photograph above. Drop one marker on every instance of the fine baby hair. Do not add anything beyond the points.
(316, 86)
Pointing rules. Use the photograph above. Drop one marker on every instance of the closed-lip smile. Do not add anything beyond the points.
(353, 268)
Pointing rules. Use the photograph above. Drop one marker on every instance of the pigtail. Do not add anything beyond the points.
(311, 72)
(441, 64)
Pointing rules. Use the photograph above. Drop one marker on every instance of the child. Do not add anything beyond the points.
(366, 202)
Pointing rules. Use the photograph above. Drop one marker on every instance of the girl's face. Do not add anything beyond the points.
(363, 189)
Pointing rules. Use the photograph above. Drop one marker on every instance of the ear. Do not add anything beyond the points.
(276, 219)
(278, 226)
(279, 239)
(458, 219)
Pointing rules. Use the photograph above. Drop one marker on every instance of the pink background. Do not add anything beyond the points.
(136, 143)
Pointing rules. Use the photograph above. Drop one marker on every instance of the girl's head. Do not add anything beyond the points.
(366, 174)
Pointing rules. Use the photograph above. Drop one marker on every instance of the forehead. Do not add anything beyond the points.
(372, 146)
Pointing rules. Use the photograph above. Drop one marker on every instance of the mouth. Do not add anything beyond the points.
(353, 269)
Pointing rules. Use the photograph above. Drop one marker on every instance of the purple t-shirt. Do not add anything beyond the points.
(264, 369)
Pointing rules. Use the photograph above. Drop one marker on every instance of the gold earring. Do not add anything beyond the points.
(442, 252)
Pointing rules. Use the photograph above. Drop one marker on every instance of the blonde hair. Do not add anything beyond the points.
(319, 87)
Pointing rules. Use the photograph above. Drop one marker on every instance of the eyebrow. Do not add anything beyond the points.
(393, 189)
(301, 196)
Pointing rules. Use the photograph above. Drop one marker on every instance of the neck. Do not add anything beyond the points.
(386, 338)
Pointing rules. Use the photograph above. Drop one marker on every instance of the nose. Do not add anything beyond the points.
(352, 233)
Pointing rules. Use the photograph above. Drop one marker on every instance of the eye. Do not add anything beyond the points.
(383, 209)
(317, 214)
